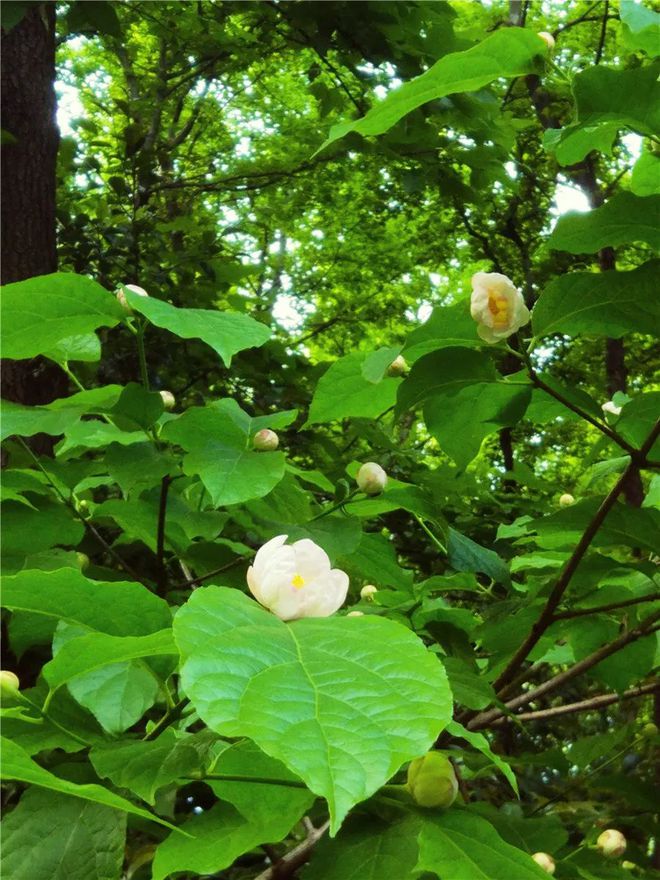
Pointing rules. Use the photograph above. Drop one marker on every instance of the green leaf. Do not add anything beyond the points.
(367, 847)
(39, 313)
(603, 303)
(66, 838)
(479, 742)
(217, 440)
(101, 15)
(623, 219)
(641, 27)
(638, 418)
(463, 846)
(607, 100)
(93, 434)
(226, 333)
(343, 392)
(374, 368)
(251, 814)
(545, 834)
(136, 408)
(507, 52)
(95, 650)
(323, 696)
(29, 530)
(445, 373)
(468, 688)
(645, 180)
(448, 326)
(143, 464)
(464, 554)
(145, 767)
(56, 417)
(17, 764)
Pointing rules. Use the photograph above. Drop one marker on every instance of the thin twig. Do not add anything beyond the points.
(289, 863)
(603, 32)
(160, 535)
(600, 609)
(193, 582)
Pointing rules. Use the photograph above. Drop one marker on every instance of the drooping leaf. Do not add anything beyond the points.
(478, 741)
(464, 554)
(39, 313)
(322, 696)
(623, 219)
(55, 417)
(600, 303)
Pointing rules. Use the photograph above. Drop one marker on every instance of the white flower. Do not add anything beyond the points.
(548, 39)
(544, 861)
(566, 500)
(121, 296)
(611, 843)
(296, 580)
(398, 367)
(371, 478)
(497, 306)
(168, 399)
(368, 592)
(611, 408)
(265, 440)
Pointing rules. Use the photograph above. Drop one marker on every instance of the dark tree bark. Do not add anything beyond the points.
(29, 181)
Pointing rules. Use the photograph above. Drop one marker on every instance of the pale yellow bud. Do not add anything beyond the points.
(266, 440)
(566, 500)
(545, 862)
(9, 683)
(121, 296)
(611, 843)
(398, 367)
(371, 478)
(168, 400)
(548, 39)
(368, 592)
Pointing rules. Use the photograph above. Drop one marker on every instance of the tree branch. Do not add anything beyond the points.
(599, 609)
(289, 863)
(160, 533)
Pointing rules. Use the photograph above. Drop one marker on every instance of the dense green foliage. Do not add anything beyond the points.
(305, 191)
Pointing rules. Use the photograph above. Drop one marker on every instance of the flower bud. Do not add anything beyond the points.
(368, 592)
(121, 296)
(611, 843)
(497, 306)
(549, 40)
(650, 730)
(9, 683)
(82, 507)
(355, 614)
(566, 500)
(432, 781)
(83, 560)
(168, 400)
(611, 408)
(266, 440)
(545, 862)
(371, 478)
(628, 866)
(398, 367)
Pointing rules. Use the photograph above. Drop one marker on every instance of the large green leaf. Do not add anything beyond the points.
(444, 373)
(55, 417)
(18, 765)
(28, 530)
(545, 834)
(217, 439)
(448, 326)
(623, 219)
(638, 418)
(607, 100)
(641, 27)
(463, 846)
(343, 702)
(343, 392)
(39, 313)
(507, 52)
(249, 815)
(600, 303)
(645, 180)
(226, 332)
(66, 839)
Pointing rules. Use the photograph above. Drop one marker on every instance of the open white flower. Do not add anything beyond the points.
(497, 306)
(296, 580)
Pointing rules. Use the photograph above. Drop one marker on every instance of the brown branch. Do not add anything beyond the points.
(289, 863)
(209, 574)
(587, 705)
(569, 570)
(612, 606)
(160, 533)
(603, 32)
(648, 626)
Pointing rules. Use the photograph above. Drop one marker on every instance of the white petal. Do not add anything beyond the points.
(265, 554)
(288, 603)
(311, 560)
(487, 334)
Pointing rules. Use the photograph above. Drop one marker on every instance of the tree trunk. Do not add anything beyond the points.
(29, 181)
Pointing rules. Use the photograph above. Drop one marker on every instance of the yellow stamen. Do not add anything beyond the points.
(298, 581)
(499, 309)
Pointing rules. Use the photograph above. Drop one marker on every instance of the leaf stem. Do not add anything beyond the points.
(428, 531)
(334, 507)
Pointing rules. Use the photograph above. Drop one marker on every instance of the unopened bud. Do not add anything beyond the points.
(545, 862)
(611, 843)
(628, 866)
(368, 592)
(83, 560)
(566, 500)
(398, 367)
(9, 683)
(355, 614)
(83, 507)
(266, 440)
(650, 730)
(548, 39)
(611, 408)
(432, 781)
(121, 296)
(371, 478)
(168, 400)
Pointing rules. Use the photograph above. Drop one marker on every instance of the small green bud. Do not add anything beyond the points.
(9, 684)
(432, 781)
(368, 592)
(83, 560)
(650, 730)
